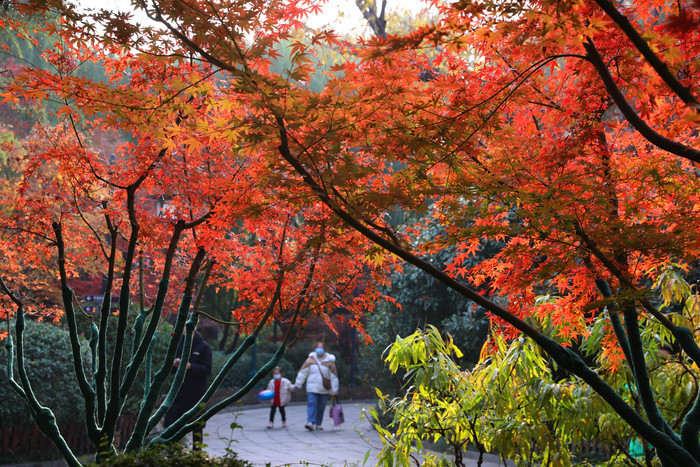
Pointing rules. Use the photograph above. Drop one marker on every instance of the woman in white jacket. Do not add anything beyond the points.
(318, 365)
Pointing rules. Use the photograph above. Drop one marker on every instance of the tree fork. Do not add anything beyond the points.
(43, 416)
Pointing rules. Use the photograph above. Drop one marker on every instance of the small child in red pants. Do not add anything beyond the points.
(282, 387)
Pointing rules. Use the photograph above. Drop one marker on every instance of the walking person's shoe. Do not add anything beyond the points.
(270, 425)
(284, 424)
(309, 426)
(319, 428)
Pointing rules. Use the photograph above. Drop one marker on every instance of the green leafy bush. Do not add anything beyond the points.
(239, 374)
(50, 369)
(173, 455)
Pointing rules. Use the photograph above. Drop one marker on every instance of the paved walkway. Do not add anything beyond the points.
(346, 445)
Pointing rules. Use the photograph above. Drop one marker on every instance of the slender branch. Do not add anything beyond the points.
(619, 331)
(692, 400)
(220, 321)
(105, 312)
(616, 271)
(181, 426)
(43, 416)
(115, 398)
(178, 428)
(88, 224)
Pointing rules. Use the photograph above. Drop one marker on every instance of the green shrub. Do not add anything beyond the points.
(239, 374)
(49, 364)
(173, 455)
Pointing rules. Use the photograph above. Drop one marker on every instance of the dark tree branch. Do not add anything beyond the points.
(86, 388)
(658, 140)
(43, 417)
(660, 67)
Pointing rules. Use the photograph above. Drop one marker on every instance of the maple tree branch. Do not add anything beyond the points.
(116, 396)
(264, 370)
(176, 94)
(220, 321)
(386, 229)
(325, 302)
(619, 331)
(660, 67)
(393, 248)
(6, 290)
(163, 288)
(522, 77)
(86, 389)
(158, 17)
(691, 427)
(202, 285)
(10, 367)
(692, 401)
(615, 270)
(231, 37)
(684, 336)
(144, 175)
(564, 357)
(105, 313)
(40, 235)
(551, 104)
(43, 417)
(658, 140)
(640, 371)
(181, 425)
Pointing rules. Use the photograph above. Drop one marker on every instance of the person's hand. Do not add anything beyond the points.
(189, 365)
(176, 362)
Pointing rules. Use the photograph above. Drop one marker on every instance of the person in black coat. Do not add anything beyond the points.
(193, 386)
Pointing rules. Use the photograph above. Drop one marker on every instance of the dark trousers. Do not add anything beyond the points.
(272, 413)
(197, 437)
(175, 412)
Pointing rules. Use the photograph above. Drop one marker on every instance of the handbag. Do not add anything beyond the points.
(336, 412)
(326, 381)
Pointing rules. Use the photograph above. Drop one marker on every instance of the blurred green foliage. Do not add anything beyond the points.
(49, 364)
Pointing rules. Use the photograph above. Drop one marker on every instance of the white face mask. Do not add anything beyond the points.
(277, 376)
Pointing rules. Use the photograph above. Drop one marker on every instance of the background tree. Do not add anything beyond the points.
(76, 206)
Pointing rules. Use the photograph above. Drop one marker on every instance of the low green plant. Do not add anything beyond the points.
(173, 455)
